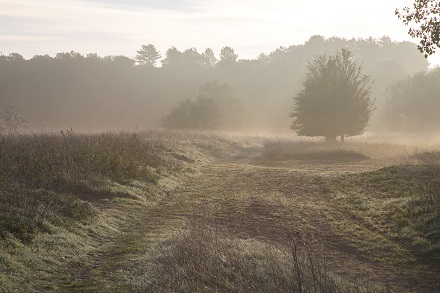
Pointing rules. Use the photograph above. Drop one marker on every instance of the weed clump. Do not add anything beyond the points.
(205, 259)
(55, 178)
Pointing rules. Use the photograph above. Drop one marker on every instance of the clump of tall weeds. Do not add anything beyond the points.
(207, 259)
(43, 160)
(54, 177)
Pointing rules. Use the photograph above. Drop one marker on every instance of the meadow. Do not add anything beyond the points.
(164, 211)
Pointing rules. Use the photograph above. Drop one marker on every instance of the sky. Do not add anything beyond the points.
(250, 27)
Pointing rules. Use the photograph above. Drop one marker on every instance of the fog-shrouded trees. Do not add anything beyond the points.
(209, 57)
(228, 56)
(148, 55)
(88, 91)
(413, 103)
(425, 18)
(335, 99)
(215, 107)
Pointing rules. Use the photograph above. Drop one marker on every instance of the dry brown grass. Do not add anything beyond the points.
(223, 216)
(202, 258)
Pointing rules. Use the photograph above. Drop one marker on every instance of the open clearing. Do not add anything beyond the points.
(239, 190)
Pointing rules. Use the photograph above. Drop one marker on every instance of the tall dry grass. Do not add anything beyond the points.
(206, 259)
(56, 177)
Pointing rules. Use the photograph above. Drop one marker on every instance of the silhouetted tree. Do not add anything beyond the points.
(120, 61)
(69, 56)
(148, 55)
(426, 17)
(227, 56)
(172, 57)
(192, 58)
(335, 100)
(209, 57)
(15, 57)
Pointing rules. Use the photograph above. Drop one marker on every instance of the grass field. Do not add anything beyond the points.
(203, 212)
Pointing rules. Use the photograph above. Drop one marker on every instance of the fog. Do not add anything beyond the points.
(90, 93)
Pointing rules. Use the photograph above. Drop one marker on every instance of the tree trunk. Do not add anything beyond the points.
(342, 138)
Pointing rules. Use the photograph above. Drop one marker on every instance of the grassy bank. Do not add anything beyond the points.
(63, 193)
(171, 212)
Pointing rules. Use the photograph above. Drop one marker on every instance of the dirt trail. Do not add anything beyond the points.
(250, 198)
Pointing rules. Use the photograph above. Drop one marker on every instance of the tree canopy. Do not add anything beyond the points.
(215, 107)
(335, 99)
(148, 55)
(425, 17)
(413, 103)
(228, 56)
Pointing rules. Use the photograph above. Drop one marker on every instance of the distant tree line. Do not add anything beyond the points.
(95, 92)
(413, 103)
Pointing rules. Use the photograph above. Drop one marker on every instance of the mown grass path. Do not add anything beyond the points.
(250, 198)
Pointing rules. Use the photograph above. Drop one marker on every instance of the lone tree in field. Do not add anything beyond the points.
(335, 100)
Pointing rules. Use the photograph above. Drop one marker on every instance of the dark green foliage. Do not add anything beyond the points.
(214, 108)
(335, 99)
(413, 103)
(426, 17)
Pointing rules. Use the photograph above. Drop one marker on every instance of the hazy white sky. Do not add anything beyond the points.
(117, 27)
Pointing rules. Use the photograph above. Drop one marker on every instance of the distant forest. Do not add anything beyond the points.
(90, 92)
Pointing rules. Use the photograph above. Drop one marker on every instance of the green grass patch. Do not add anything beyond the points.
(397, 201)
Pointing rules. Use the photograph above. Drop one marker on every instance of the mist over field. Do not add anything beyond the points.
(309, 167)
(91, 92)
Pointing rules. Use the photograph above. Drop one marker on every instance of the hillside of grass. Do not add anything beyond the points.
(62, 192)
(201, 212)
